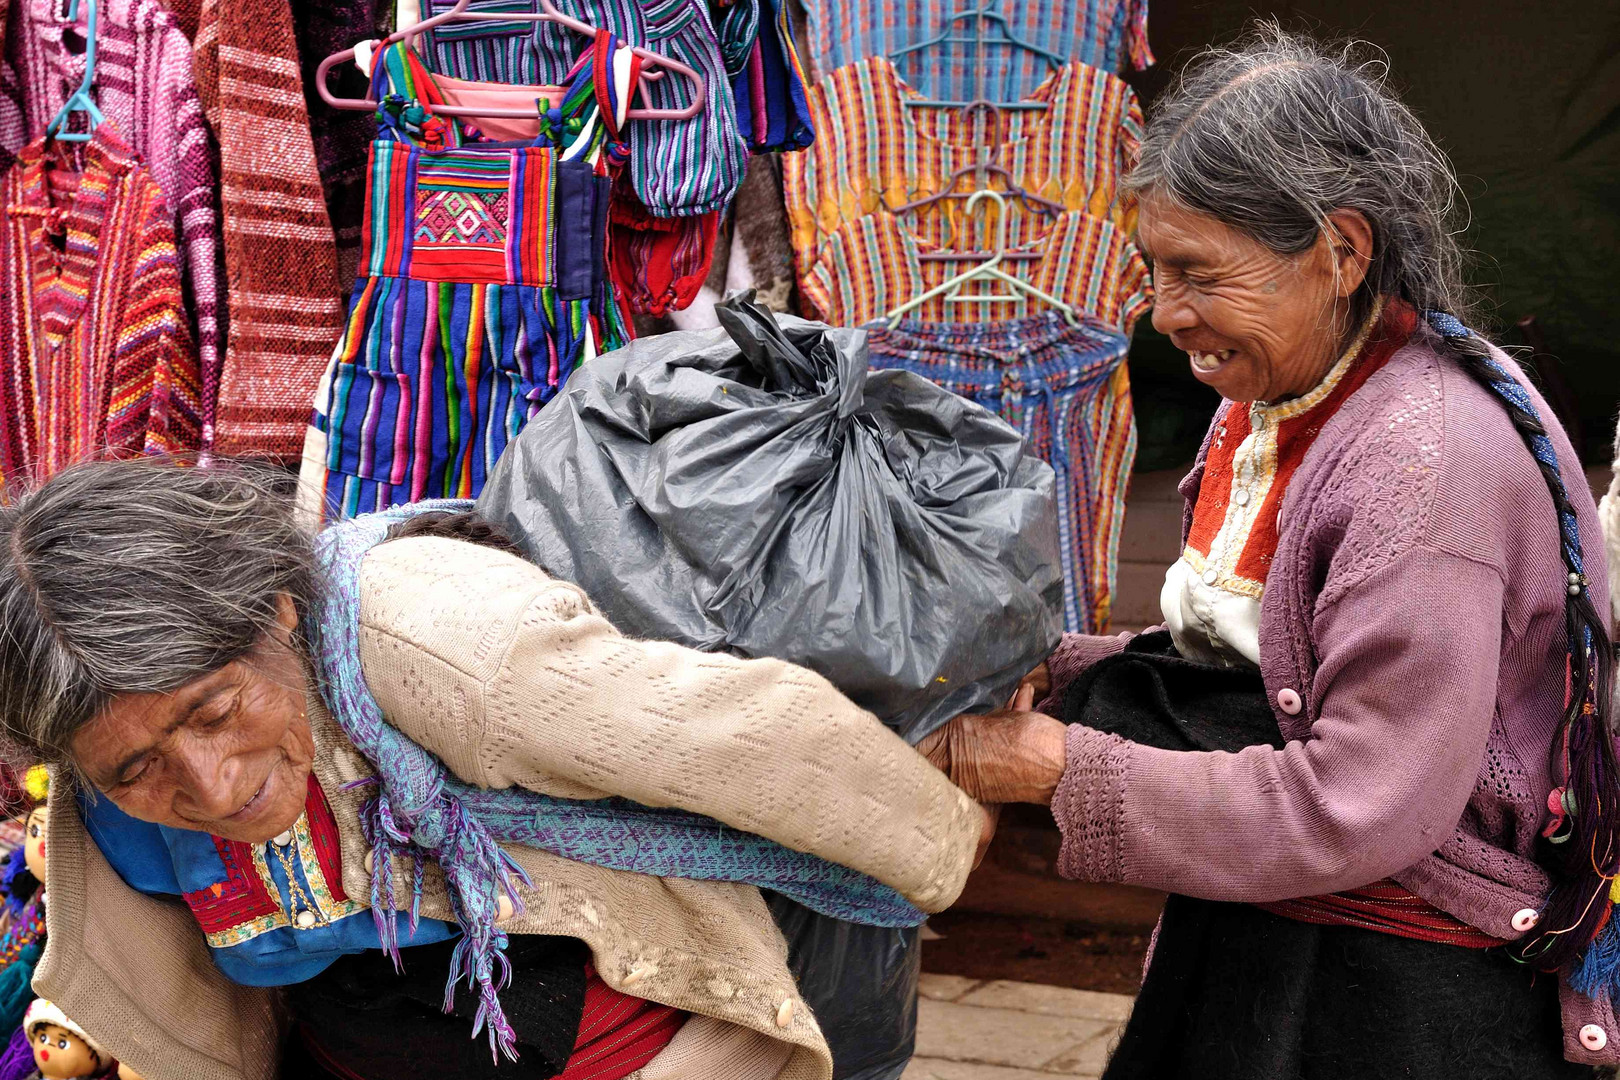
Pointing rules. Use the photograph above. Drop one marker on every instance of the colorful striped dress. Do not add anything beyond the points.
(1067, 391)
(95, 353)
(483, 284)
(873, 153)
(1102, 33)
(874, 264)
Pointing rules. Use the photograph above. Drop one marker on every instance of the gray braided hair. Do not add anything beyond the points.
(1272, 134)
(136, 577)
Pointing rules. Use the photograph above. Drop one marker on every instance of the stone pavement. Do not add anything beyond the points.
(968, 1029)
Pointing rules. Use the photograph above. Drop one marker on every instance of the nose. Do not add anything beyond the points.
(1172, 314)
(206, 782)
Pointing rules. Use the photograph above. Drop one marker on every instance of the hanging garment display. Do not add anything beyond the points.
(874, 153)
(283, 290)
(677, 168)
(767, 79)
(1066, 390)
(483, 284)
(144, 86)
(341, 139)
(98, 355)
(1102, 33)
(875, 264)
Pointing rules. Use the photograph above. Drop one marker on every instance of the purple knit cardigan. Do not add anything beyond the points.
(1416, 606)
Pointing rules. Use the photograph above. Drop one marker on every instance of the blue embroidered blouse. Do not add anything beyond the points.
(261, 931)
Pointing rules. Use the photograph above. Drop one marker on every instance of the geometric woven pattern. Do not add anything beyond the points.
(461, 217)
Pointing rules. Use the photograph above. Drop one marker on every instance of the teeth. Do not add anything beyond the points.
(1205, 361)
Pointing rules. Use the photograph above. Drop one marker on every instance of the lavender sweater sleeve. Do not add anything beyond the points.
(1330, 813)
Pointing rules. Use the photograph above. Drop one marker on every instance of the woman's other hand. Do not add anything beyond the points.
(1039, 682)
(1011, 755)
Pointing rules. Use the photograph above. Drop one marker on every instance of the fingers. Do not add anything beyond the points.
(1024, 700)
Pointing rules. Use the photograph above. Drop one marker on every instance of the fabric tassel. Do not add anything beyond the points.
(1599, 967)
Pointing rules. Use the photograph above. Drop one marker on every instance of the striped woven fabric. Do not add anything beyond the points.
(1388, 908)
(1102, 33)
(145, 87)
(286, 300)
(678, 168)
(873, 265)
(618, 1033)
(1066, 389)
(873, 153)
(97, 352)
(483, 284)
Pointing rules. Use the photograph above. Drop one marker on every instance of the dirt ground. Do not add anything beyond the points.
(1025, 949)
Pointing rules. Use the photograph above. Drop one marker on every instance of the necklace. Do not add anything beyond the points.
(301, 901)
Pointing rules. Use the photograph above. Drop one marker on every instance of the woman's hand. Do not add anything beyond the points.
(1039, 681)
(1012, 755)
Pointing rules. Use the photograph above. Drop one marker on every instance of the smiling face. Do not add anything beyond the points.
(1256, 325)
(228, 753)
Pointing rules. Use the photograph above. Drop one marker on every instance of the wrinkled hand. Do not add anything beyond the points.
(1011, 755)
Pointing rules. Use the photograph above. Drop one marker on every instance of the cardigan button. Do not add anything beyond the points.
(1525, 919)
(1288, 701)
(283, 839)
(1211, 576)
(305, 919)
(503, 909)
(371, 861)
(1594, 1038)
(784, 1013)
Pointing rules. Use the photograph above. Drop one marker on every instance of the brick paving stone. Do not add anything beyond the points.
(940, 1069)
(1050, 1000)
(945, 987)
(1007, 1037)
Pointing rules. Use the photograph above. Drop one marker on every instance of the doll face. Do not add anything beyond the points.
(34, 843)
(60, 1054)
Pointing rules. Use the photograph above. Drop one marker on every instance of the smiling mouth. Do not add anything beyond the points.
(252, 805)
(1211, 361)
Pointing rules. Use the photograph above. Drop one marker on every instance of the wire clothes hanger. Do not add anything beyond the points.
(981, 171)
(81, 100)
(981, 13)
(548, 13)
(1021, 290)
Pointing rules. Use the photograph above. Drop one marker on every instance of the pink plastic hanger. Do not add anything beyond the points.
(548, 13)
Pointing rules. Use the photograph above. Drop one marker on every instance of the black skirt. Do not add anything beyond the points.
(1237, 993)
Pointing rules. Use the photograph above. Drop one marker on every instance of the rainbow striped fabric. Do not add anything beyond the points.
(873, 264)
(483, 284)
(97, 352)
(1102, 33)
(873, 153)
(1066, 389)
(678, 168)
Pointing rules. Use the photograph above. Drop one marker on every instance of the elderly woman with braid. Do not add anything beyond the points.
(1368, 752)
(398, 772)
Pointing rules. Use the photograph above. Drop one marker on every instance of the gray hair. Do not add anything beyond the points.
(136, 577)
(1272, 134)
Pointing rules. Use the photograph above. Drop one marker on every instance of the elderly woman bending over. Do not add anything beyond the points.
(1368, 752)
(292, 761)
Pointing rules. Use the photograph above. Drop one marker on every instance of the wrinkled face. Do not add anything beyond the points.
(34, 842)
(228, 753)
(60, 1054)
(1256, 326)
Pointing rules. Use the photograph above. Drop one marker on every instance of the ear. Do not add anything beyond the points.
(286, 614)
(1351, 240)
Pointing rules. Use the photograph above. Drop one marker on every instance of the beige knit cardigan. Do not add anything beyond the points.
(513, 678)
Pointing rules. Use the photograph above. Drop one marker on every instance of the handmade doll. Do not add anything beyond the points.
(62, 1050)
(23, 882)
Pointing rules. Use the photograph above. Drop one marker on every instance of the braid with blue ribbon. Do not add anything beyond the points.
(1575, 930)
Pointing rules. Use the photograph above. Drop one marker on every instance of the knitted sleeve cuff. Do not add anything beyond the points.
(1074, 654)
(1089, 806)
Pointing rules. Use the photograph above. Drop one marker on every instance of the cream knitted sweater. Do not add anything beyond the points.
(511, 678)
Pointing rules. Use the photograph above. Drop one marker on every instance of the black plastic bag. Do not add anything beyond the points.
(754, 490)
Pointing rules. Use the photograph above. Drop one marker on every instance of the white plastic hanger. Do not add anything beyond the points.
(952, 290)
